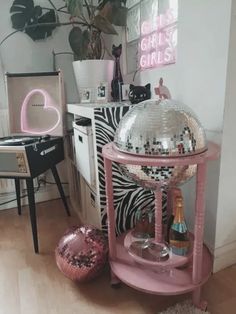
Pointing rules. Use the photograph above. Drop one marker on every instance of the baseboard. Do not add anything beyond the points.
(224, 256)
(45, 193)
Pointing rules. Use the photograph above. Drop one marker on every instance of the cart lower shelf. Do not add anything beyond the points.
(157, 280)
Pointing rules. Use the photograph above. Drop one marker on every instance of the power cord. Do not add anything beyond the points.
(39, 182)
(24, 195)
(48, 182)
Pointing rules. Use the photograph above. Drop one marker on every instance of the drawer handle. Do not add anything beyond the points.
(80, 138)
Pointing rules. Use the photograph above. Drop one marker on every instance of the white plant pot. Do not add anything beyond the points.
(89, 74)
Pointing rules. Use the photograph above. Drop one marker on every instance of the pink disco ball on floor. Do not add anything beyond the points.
(82, 253)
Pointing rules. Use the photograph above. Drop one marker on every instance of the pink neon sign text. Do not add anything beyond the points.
(48, 105)
(158, 41)
(157, 23)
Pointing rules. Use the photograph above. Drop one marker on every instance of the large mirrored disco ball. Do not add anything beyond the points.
(160, 128)
(82, 253)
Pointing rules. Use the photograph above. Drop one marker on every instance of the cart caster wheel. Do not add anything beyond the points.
(203, 306)
(115, 282)
(116, 285)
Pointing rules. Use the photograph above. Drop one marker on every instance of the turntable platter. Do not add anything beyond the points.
(17, 141)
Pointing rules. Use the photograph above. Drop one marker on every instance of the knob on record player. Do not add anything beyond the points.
(45, 137)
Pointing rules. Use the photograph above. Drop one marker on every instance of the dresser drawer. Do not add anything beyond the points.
(85, 153)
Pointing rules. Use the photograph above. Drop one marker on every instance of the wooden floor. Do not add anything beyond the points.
(31, 283)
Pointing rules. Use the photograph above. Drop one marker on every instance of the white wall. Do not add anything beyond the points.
(199, 75)
(19, 53)
(198, 79)
(225, 244)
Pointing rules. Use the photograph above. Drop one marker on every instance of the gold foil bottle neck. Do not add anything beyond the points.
(179, 214)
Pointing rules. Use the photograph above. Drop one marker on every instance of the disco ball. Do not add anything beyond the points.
(81, 253)
(160, 128)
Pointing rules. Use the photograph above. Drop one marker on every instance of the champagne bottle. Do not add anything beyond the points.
(179, 235)
(174, 193)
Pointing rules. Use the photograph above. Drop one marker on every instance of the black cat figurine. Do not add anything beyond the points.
(117, 76)
(139, 93)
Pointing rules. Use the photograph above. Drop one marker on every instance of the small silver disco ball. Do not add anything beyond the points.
(160, 128)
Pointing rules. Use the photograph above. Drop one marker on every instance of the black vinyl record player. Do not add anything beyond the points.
(29, 156)
(18, 140)
(36, 106)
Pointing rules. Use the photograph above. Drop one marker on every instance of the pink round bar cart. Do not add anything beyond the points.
(161, 278)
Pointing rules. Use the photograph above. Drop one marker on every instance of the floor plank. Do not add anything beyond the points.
(32, 284)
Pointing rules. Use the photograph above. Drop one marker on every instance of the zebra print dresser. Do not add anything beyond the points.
(128, 197)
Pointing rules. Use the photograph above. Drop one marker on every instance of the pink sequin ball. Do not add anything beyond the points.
(82, 253)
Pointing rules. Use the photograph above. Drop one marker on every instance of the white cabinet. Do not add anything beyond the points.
(84, 152)
(86, 169)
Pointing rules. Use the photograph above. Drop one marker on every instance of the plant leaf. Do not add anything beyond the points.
(24, 13)
(114, 12)
(75, 7)
(104, 25)
(94, 47)
(85, 44)
(119, 17)
(43, 31)
(24, 3)
(102, 3)
(75, 38)
(106, 11)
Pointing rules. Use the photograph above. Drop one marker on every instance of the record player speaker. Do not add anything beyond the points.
(27, 157)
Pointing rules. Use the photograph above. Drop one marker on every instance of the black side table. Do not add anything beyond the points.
(31, 198)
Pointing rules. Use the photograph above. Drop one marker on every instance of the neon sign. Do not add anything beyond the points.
(47, 106)
(158, 41)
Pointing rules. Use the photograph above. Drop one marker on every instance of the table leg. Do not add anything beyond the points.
(60, 189)
(17, 187)
(111, 219)
(30, 191)
(158, 215)
(198, 231)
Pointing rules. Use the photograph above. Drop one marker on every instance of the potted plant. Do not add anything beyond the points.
(90, 19)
